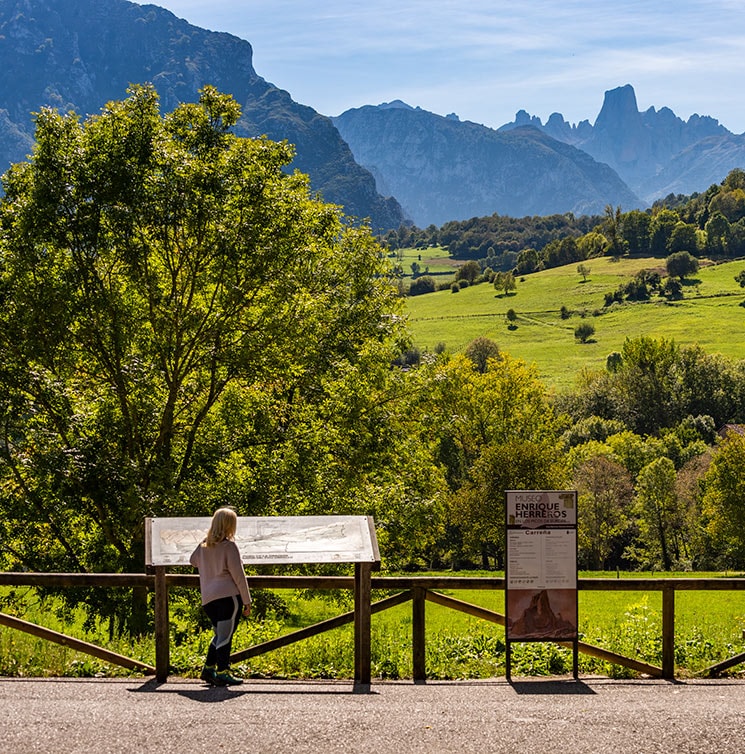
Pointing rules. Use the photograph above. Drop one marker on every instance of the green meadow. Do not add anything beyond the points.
(433, 260)
(709, 315)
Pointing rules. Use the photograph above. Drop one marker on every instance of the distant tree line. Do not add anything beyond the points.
(709, 224)
(495, 241)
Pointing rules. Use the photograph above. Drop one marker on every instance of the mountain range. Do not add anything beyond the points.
(391, 163)
(80, 54)
(655, 152)
(441, 169)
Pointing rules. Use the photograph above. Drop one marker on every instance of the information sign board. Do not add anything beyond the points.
(269, 540)
(541, 565)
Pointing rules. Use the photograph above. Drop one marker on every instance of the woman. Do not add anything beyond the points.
(225, 593)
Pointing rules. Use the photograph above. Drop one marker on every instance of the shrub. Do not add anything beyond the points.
(424, 284)
(680, 264)
(584, 332)
(672, 290)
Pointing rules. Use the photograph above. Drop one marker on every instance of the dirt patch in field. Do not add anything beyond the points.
(444, 260)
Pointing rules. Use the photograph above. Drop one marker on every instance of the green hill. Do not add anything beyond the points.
(709, 315)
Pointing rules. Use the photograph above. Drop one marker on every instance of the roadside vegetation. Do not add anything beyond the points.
(708, 629)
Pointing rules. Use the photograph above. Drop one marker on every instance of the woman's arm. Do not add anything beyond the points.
(235, 567)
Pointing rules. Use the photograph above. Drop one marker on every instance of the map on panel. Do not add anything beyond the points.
(271, 539)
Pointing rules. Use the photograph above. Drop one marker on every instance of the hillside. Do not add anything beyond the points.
(79, 54)
(542, 337)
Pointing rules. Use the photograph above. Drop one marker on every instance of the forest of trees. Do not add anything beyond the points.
(710, 224)
(493, 241)
(186, 326)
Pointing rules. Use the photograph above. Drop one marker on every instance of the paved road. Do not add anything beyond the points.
(594, 715)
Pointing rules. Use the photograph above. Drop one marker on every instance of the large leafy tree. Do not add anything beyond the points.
(635, 230)
(681, 263)
(661, 541)
(605, 491)
(723, 501)
(156, 271)
(612, 227)
(491, 430)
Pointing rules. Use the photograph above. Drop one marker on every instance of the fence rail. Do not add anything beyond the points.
(418, 589)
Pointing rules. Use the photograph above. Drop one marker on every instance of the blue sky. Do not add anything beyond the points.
(487, 59)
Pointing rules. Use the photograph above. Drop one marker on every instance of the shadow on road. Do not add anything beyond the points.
(211, 694)
(552, 687)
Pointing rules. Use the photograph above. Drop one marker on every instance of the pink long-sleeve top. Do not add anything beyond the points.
(221, 571)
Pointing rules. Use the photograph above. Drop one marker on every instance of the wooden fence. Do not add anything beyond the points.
(417, 589)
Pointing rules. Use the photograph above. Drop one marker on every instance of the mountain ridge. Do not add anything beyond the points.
(644, 147)
(638, 157)
(80, 54)
(441, 168)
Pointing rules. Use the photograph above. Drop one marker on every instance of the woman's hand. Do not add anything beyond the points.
(247, 610)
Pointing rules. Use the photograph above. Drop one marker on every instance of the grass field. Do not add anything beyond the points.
(434, 261)
(709, 315)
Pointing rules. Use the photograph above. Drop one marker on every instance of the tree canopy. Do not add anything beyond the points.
(681, 263)
(149, 263)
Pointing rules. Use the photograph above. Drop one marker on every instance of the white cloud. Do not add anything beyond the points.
(485, 59)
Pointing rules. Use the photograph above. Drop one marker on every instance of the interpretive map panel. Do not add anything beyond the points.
(280, 539)
(541, 565)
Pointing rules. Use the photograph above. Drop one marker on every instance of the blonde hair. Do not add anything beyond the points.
(223, 526)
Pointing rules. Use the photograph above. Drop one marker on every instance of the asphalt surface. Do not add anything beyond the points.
(594, 715)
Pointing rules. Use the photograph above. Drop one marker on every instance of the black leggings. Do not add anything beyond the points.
(224, 614)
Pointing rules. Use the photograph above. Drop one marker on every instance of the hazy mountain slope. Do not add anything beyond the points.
(442, 169)
(79, 54)
(699, 166)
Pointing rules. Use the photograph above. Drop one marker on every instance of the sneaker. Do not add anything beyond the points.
(223, 678)
(208, 674)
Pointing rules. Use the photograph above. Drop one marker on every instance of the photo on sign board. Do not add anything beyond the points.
(542, 614)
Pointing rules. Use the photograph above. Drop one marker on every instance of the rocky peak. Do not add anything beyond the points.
(523, 118)
(395, 104)
(636, 145)
(619, 107)
(619, 136)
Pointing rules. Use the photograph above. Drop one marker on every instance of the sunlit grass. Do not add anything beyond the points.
(433, 261)
(709, 628)
(710, 315)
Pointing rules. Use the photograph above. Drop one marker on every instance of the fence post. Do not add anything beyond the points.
(418, 649)
(162, 650)
(362, 616)
(668, 631)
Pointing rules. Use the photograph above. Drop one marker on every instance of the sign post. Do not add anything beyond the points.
(541, 569)
(268, 540)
